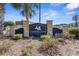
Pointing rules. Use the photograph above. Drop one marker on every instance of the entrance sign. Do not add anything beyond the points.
(38, 27)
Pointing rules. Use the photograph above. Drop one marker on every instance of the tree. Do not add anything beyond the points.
(76, 20)
(1, 19)
(8, 23)
(71, 25)
(29, 9)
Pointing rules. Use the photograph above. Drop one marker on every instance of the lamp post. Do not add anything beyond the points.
(39, 12)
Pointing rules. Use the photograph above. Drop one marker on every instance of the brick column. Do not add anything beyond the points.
(49, 28)
(26, 28)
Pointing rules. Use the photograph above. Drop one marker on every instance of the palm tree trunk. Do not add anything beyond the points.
(26, 13)
(1, 19)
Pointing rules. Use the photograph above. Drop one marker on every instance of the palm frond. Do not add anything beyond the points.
(22, 13)
(28, 8)
(35, 5)
(16, 5)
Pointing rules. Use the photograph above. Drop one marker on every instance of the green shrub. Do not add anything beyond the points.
(49, 41)
(18, 36)
(45, 37)
(49, 47)
(74, 31)
(27, 52)
(61, 40)
(4, 46)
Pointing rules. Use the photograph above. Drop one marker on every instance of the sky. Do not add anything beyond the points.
(60, 13)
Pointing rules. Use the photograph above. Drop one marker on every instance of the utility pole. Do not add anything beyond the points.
(39, 12)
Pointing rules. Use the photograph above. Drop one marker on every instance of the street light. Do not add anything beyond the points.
(39, 12)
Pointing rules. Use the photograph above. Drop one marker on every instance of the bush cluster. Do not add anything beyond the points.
(74, 31)
(4, 46)
(49, 45)
(18, 36)
(45, 37)
(27, 51)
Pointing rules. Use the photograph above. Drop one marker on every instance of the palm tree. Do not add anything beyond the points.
(76, 20)
(28, 9)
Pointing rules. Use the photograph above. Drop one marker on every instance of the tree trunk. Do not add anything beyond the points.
(1, 19)
(26, 12)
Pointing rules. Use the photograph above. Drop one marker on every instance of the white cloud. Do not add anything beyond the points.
(70, 12)
(72, 6)
(49, 14)
(56, 4)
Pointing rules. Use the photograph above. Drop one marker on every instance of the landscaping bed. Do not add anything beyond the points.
(24, 47)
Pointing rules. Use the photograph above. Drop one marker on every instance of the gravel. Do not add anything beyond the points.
(71, 48)
(20, 45)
